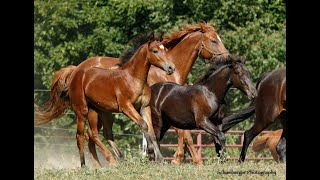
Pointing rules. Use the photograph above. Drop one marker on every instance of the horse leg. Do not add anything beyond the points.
(208, 126)
(265, 115)
(93, 124)
(130, 111)
(188, 140)
(92, 147)
(180, 149)
(216, 142)
(107, 122)
(274, 153)
(80, 136)
(145, 111)
(281, 146)
(249, 135)
(217, 146)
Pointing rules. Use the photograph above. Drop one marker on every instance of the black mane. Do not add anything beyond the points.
(217, 65)
(134, 44)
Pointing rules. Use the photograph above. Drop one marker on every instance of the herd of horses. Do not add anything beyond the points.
(147, 84)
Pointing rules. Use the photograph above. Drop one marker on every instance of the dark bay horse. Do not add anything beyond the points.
(196, 106)
(268, 140)
(184, 46)
(269, 106)
(124, 89)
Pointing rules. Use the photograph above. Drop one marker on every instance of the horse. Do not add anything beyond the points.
(196, 106)
(184, 46)
(268, 140)
(269, 106)
(124, 89)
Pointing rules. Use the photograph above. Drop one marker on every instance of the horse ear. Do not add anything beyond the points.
(202, 25)
(151, 37)
(161, 36)
(243, 59)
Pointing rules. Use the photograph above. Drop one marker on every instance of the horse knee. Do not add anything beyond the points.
(143, 125)
(94, 136)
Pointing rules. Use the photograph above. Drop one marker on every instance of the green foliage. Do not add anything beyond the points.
(68, 32)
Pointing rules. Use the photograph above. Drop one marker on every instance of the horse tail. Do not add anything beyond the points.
(59, 98)
(261, 143)
(235, 118)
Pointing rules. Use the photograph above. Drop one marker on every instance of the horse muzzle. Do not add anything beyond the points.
(169, 69)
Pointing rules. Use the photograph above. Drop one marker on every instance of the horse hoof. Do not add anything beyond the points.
(175, 162)
(198, 164)
(113, 164)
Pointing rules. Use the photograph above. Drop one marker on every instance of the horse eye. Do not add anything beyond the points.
(213, 41)
(155, 51)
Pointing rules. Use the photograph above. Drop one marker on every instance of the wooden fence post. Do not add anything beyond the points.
(199, 143)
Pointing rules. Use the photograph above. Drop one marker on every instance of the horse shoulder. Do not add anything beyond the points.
(204, 98)
(144, 98)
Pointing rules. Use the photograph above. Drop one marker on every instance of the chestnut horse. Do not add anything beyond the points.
(268, 140)
(184, 47)
(124, 89)
(190, 107)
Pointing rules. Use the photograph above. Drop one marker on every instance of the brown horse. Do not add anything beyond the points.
(268, 140)
(269, 106)
(124, 89)
(196, 106)
(184, 47)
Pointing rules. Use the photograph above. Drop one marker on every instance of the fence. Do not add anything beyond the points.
(198, 143)
(200, 146)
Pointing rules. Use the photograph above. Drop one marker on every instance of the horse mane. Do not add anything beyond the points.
(214, 68)
(217, 66)
(134, 44)
(176, 37)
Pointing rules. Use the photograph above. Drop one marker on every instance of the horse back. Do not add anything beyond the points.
(272, 90)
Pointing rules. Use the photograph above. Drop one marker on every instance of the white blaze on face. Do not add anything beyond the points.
(219, 38)
(161, 46)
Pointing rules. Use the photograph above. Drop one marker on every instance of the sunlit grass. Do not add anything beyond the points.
(138, 168)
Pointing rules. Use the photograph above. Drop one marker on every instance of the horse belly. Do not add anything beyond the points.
(179, 116)
(106, 103)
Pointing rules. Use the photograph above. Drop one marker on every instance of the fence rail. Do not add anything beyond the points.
(200, 146)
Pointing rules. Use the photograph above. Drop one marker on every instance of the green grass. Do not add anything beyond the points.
(137, 168)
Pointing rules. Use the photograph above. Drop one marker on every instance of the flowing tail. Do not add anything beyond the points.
(261, 143)
(59, 98)
(235, 118)
(269, 139)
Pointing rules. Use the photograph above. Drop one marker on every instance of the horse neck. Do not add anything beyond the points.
(183, 55)
(218, 83)
(139, 65)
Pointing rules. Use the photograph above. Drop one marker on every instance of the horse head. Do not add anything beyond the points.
(211, 46)
(240, 77)
(157, 54)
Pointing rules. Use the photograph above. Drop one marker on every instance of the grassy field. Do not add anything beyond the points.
(137, 168)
